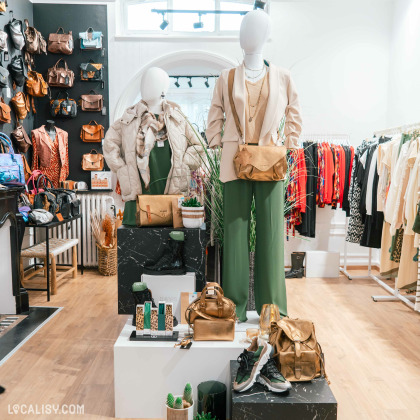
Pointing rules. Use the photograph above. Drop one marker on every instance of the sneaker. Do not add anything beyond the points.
(272, 379)
(251, 361)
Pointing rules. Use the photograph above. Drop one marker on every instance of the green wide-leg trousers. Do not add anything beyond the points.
(269, 280)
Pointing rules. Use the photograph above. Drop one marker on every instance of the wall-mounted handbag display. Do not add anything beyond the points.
(93, 161)
(92, 132)
(11, 164)
(63, 107)
(35, 84)
(90, 40)
(21, 138)
(92, 102)
(15, 28)
(61, 43)
(60, 76)
(91, 72)
(3, 41)
(212, 316)
(5, 116)
(17, 70)
(34, 41)
(3, 7)
(20, 104)
(4, 77)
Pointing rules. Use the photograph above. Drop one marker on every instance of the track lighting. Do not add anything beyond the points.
(177, 82)
(199, 24)
(259, 4)
(190, 83)
(164, 23)
(206, 83)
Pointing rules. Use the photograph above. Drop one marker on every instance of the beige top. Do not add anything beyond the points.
(254, 110)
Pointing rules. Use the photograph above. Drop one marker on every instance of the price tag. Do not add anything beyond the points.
(160, 143)
(66, 80)
(68, 108)
(104, 110)
(8, 92)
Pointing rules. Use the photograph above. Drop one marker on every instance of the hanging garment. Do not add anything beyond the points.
(349, 169)
(49, 156)
(388, 268)
(407, 274)
(411, 195)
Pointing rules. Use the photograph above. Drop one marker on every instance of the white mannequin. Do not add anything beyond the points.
(153, 88)
(254, 33)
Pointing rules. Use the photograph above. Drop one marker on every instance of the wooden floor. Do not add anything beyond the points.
(372, 349)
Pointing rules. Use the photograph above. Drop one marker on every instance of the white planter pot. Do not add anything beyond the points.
(184, 414)
(192, 217)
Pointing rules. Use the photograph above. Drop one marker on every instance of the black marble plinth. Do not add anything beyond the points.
(139, 246)
(305, 401)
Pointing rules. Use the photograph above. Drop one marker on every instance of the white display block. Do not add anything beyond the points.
(145, 372)
(322, 264)
(168, 289)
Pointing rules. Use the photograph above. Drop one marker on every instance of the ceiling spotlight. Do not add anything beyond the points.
(190, 83)
(259, 4)
(177, 82)
(199, 24)
(164, 23)
(206, 83)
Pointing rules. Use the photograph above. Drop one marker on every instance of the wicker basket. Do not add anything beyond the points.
(107, 261)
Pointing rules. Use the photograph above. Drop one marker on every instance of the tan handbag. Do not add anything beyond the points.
(61, 43)
(21, 138)
(92, 102)
(297, 351)
(93, 161)
(92, 132)
(34, 41)
(155, 210)
(5, 116)
(256, 163)
(3, 6)
(60, 76)
(35, 84)
(212, 315)
(21, 106)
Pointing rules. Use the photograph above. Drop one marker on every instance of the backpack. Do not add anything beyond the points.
(297, 351)
(34, 41)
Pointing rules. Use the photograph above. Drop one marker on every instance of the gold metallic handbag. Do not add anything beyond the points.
(212, 316)
(297, 352)
(256, 163)
(155, 210)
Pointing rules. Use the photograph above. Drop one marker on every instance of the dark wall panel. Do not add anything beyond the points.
(77, 18)
(22, 9)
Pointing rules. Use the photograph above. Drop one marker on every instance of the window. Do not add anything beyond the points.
(138, 17)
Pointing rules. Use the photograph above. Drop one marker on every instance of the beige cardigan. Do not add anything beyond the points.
(282, 100)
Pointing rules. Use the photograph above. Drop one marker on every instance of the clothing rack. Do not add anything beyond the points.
(395, 295)
(333, 138)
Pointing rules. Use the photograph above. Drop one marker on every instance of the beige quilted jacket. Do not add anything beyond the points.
(120, 150)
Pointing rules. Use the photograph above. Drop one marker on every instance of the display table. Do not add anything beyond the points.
(145, 372)
(139, 246)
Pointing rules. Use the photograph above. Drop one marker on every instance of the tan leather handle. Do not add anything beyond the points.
(231, 79)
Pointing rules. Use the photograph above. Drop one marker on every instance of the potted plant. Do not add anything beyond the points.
(180, 407)
(192, 213)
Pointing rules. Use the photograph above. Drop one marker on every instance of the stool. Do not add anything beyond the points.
(56, 247)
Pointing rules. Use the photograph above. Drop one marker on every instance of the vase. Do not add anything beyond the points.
(212, 399)
(192, 217)
(180, 414)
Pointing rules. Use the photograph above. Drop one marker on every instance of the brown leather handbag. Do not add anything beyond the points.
(5, 116)
(60, 76)
(93, 161)
(155, 210)
(21, 138)
(61, 43)
(92, 132)
(35, 84)
(92, 102)
(256, 163)
(297, 351)
(212, 316)
(3, 6)
(34, 41)
(21, 105)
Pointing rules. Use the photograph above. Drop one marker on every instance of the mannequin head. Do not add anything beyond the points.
(154, 83)
(255, 31)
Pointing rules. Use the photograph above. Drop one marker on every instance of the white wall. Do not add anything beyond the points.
(404, 81)
(338, 53)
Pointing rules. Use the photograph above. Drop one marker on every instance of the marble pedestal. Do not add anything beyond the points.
(139, 246)
(305, 401)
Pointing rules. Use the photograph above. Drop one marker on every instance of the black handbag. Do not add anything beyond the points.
(91, 72)
(17, 70)
(65, 108)
(4, 77)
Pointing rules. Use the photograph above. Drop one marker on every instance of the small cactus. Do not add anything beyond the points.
(188, 393)
(170, 400)
(178, 404)
(202, 416)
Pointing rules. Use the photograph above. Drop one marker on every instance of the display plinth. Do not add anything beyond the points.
(305, 401)
(140, 246)
(145, 372)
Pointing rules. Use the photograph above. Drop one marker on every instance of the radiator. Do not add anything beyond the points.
(89, 202)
